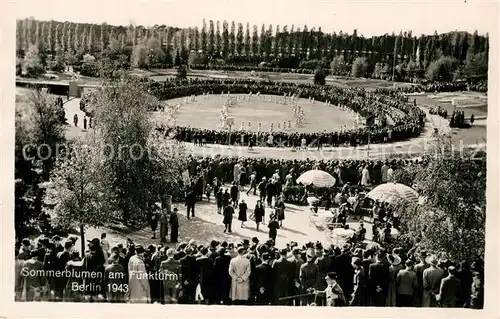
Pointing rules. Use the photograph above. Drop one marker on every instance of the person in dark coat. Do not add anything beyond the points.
(345, 271)
(273, 227)
(190, 201)
(378, 281)
(219, 200)
(264, 281)
(222, 278)
(206, 278)
(450, 290)
(280, 210)
(258, 212)
(358, 294)
(225, 198)
(62, 259)
(115, 280)
(154, 223)
(283, 278)
(174, 226)
(94, 263)
(234, 194)
(189, 276)
(242, 214)
(228, 218)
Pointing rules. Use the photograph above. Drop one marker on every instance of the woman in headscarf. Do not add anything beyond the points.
(394, 269)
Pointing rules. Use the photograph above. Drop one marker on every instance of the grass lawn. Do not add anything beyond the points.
(205, 113)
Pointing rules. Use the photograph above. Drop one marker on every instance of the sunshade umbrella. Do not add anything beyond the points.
(391, 192)
(317, 178)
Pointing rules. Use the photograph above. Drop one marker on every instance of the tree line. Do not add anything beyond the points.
(231, 43)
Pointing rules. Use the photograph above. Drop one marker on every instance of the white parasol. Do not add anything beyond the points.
(317, 178)
(391, 192)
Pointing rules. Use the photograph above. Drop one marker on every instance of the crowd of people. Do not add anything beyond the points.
(457, 118)
(408, 119)
(432, 87)
(244, 273)
(205, 170)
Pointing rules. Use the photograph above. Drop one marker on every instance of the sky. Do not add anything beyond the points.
(368, 17)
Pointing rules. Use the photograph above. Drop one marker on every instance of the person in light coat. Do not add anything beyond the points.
(432, 282)
(365, 177)
(239, 270)
(138, 280)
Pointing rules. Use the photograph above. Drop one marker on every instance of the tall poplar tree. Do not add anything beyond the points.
(218, 40)
(255, 40)
(247, 48)
(211, 39)
(239, 40)
(225, 39)
(232, 39)
(203, 38)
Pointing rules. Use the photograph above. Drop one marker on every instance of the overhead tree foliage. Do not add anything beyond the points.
(81, 189)
(43, 128)
(451, 222)
(123, 125)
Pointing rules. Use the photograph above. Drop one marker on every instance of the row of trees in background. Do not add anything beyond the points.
(224, 43)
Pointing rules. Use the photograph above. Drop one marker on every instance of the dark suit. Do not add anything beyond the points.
(206, 269)
(264, 276)
(189, 276)
(450, 292)
(378, 277)
(284, 274)
(222, 278)
(60, 282)
(114, 283)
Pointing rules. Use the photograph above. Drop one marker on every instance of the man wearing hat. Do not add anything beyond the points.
(324, 264)
(34, 284)
(432, 282)
(189, 275)
(394, 269)
(378, 280)
(93, 263)
(264, 277)
(333, 293)
(309, 275)
(138, 280)
(419, 271)
(62, 259)
(221, 277)
(297, 262)
(207, 284)
(283, 282)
